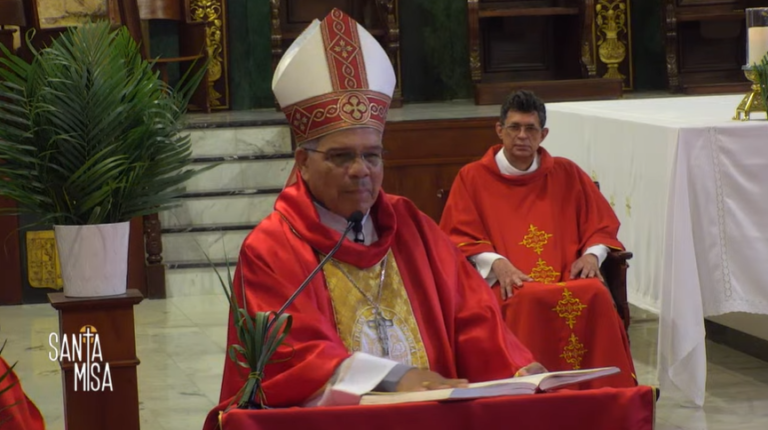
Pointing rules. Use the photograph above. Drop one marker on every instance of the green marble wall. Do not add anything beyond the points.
(250, 58)
(434, 50)
(648, 49)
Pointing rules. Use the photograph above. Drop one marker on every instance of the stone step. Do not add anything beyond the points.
(241, 172)
(197, 281)
(193, 246)
(220, 207)
(270, 139)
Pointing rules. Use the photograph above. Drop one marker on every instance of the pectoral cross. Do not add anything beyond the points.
(381, 324)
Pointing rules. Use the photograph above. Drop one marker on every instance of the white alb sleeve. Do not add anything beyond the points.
(483, 263)
(357, 375)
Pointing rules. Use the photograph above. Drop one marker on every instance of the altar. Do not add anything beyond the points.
(688, 185)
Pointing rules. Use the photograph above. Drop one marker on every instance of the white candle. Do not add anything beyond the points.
(758, 44)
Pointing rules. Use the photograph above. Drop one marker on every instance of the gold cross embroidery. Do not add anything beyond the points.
(535, 239)
(574, 352)
(569, 308)
(543, 273)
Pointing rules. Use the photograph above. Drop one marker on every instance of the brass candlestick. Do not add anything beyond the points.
(753, 101)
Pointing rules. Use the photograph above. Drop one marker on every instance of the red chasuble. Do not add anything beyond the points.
(542, 222)
(459, 321)
(17, 412)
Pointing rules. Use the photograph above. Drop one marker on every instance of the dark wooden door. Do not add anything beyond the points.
(424, 157)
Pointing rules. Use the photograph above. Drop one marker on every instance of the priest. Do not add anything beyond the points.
(537, 229)
(397, 308)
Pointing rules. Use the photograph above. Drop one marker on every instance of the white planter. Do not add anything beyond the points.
(94, 258)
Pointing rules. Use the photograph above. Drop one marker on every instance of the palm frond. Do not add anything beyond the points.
(89, 133)
(259, 334)
(762, 78)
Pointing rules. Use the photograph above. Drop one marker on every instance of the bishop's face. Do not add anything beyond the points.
(344, 169)
(521, 134)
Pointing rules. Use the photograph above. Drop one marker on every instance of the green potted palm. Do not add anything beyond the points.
(91, 137)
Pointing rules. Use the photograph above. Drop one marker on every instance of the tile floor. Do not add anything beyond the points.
(181, 342)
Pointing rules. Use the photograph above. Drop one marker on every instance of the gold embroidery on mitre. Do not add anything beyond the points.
(535, 239)
(354, 314)
(569, 308)
(574, 352)
(544, 273)
(355, 108)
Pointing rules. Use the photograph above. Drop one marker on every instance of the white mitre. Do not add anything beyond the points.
(334, 76)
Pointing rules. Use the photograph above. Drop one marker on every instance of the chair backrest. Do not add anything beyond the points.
(12, 12)
(175, 10)
(126, 12)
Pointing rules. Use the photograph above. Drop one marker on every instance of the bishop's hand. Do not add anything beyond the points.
(510, 277)
(586, 267)
(425, 380)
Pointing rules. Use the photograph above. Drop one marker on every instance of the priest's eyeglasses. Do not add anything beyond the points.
(515, 128)
(347, 158)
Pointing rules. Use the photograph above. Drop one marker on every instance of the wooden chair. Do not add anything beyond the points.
(192, 38)
(24, 15)
(614, 270)
(11, 14)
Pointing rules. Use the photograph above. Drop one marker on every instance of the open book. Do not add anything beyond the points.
(504, 387)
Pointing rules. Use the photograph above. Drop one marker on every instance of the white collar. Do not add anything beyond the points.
(508, 169)
(339, 224)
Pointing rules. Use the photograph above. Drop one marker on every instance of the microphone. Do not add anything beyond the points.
(354, 220)
(357, 227)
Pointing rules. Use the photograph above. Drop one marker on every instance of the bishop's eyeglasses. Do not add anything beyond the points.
(371, 158)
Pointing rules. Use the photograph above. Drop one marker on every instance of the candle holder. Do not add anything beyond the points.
(757, 47)
(753, 101)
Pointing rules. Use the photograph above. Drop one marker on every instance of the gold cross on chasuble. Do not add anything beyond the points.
(366, 322)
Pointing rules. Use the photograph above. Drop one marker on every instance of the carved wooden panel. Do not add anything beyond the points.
(424, 157)
(613, 37)
(706, 44)
(527, 41)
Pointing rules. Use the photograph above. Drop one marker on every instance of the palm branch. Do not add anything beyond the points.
(89, 133)
(259, 335)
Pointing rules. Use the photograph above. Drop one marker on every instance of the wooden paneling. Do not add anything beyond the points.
(113, 320)
(424, 157)
(551, 91)
(706, 45)
(557, 43)
(10, 261)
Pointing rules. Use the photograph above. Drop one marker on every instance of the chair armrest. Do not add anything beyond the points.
(621, 256)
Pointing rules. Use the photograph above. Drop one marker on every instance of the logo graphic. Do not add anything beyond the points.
(84, 350)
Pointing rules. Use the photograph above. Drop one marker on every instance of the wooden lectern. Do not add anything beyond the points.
(96, 334)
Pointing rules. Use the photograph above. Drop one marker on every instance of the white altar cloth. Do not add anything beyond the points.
(690, 187)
